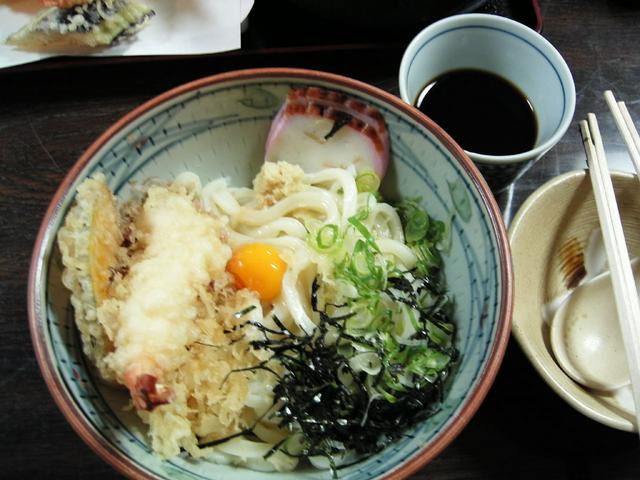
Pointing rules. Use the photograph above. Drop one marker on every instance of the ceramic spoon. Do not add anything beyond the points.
(586, 338)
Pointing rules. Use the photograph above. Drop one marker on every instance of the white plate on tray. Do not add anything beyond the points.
(180, 27)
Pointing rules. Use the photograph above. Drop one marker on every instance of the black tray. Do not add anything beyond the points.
(280, 25)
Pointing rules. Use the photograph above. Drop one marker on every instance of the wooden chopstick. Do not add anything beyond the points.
(624, 288)
(626, 128)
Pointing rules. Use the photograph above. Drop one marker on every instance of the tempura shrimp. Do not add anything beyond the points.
(154, 314)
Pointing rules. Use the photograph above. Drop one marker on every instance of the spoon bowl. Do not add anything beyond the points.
(586, 338)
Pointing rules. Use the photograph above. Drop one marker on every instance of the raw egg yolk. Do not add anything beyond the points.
(258, 267)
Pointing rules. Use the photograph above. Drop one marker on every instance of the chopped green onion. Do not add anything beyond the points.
(437, 334)
(363, 213)
(428, 360)
(366, 275)
(327, 236)
(417, 226)
(387, 396)
(428, 257)
(359, 260)
(368, 181)
(364, 231)
(412, 317)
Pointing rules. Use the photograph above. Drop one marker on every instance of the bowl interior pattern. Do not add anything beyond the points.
(219, 129)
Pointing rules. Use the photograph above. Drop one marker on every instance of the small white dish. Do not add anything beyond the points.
(245, 9)
(510, 50)
(549, 237)
(192, 27)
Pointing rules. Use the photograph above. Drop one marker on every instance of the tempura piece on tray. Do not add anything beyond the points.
(63, 3)
(88, 23)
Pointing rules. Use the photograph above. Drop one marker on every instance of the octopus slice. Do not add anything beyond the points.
(317, 129)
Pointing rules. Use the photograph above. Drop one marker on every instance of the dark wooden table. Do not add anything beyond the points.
(50, 112)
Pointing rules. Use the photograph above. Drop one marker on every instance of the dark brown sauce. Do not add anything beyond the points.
(572, 263)
(483, 112)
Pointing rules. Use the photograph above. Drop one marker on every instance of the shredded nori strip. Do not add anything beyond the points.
(341, 120)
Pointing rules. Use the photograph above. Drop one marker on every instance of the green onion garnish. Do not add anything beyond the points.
(368, 181)
(327, 236)
(359, 260)
(364, 231)
(416, 226)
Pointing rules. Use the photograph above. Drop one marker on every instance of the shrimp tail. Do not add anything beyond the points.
(146, 391)
(148, 394)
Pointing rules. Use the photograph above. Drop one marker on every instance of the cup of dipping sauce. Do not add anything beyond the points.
(497, 87)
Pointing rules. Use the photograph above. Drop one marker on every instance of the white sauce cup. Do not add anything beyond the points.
(510, 50)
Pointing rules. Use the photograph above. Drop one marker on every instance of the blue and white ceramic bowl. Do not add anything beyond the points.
(510, 50)
(216, 127)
